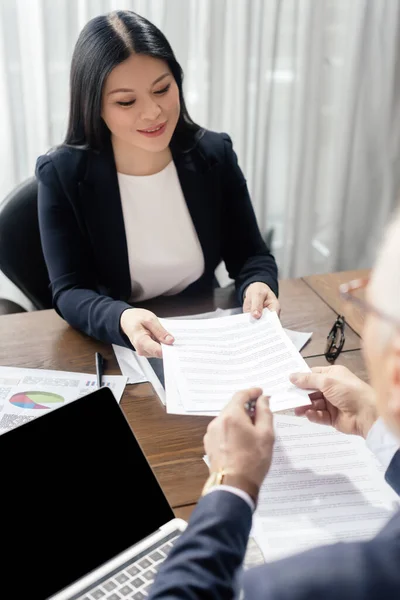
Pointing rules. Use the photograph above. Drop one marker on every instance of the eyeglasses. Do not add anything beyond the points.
(335, 340)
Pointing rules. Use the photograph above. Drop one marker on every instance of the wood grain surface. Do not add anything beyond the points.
(173, 444)
(327, 286)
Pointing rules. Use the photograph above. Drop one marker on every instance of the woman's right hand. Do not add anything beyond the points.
(145, 332)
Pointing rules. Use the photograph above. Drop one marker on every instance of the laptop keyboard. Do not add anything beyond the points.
(134, 580)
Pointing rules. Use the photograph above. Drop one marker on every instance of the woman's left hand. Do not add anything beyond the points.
(259, 296)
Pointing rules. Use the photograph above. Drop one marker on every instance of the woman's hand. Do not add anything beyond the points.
(259, 296)
(145, 332)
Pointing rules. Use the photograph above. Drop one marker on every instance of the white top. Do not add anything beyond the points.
(382, 443)
(164, 251)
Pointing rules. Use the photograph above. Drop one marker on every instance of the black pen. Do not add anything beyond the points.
(250, 408)
(99, 369)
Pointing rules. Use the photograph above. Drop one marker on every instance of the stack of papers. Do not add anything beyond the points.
(29, 393)
(323, 487)
(212, 359)
(139, 369)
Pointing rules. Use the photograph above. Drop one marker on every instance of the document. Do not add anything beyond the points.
(129, 364)
(212, 359)
(298, 338)
(323, 487)
(139, 369)
(28, 393)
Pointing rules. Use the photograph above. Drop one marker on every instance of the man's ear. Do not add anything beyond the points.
(393, 373)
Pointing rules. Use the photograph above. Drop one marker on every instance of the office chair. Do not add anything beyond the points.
(21, 256)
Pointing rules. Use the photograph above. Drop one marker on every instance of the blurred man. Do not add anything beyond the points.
(206, 559)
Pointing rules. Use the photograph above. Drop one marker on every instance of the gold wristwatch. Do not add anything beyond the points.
(215, 478)
(223, 477)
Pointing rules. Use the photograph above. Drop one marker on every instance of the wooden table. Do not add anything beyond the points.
(172, 443)
(326, 286)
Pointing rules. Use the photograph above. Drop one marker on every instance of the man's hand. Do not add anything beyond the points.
(242, 448)
(257, 297)
(342, 400)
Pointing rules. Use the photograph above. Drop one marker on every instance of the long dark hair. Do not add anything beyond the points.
(104, 43)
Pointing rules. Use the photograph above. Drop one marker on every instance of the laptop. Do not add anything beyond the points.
(83, 515)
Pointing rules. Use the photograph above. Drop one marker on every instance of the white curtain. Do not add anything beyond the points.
(308, 89)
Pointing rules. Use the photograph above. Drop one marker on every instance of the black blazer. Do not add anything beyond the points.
(83, 234)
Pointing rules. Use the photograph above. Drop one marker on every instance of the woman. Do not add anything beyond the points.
(140, 201)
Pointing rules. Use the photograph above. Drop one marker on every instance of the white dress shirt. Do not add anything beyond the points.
(379, 440)
(164, 251)
(382, 443)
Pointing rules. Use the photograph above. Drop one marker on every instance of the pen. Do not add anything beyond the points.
(250, 408)
(99, 369)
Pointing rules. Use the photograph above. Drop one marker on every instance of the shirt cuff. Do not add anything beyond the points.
(228, 488)
(382, 443)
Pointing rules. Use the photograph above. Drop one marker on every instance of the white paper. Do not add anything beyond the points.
(174, 403)
(28, 393)
(138, 369)
(323, 487)
(207, 315)
(129, 364)
(298, 338)
(212, 359)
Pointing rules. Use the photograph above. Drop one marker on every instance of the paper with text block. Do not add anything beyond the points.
(210, 360)
(323, 487)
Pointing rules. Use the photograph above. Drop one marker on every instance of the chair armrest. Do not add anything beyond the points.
(8, 307)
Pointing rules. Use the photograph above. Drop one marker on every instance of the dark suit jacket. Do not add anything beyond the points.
(205, 561)
(83, 234)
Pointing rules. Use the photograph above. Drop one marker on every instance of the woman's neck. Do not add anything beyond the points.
(131, 160)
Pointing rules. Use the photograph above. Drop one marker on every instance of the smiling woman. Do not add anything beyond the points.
(139, 201)
(142, 119)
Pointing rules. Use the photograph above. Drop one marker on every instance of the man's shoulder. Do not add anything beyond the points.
(65, 163)
(392, 474)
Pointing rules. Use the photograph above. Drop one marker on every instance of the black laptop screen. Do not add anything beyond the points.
(76, 490)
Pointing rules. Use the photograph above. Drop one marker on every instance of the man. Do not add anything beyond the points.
(206, 559)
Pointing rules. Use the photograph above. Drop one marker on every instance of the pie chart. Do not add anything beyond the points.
(36, 399)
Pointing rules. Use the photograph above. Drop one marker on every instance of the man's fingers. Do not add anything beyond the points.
(158, 331)
(318, 404)
(300, 411)
(321, 417)
(320, 369)
(308, 381)
(240, 398)
(263, 418)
